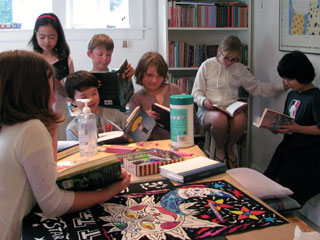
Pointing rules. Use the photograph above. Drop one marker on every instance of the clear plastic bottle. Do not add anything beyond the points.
(87, 131)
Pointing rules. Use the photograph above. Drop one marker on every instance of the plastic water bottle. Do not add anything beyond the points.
(87, 131)
(181, 121)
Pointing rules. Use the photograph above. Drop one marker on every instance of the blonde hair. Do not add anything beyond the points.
(230, 44)
(100, 40)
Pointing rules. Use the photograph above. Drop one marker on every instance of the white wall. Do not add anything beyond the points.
(138, 43)
(266, 56)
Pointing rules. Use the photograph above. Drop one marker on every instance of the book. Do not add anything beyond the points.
(138, 128)
(139, 125)
(61, 68)
(233, 108)
(272, 119)
(89, 175)
(192, 169)
(164, 112)
(67, 148)
(116, 89)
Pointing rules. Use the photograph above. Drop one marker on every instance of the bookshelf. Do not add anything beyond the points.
(189, 33)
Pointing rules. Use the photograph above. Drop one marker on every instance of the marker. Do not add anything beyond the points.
(216, 212)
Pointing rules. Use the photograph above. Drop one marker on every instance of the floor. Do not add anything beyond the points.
(304, 223)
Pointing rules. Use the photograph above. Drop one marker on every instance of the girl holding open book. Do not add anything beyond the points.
(28, 133)
(49, 40)
(217, 82)
(152, 74)
(296, 161)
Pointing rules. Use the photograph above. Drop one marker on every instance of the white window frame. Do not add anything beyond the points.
(59, 7)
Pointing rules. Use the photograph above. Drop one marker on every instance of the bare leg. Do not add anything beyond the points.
(217, 122)
(237, 126)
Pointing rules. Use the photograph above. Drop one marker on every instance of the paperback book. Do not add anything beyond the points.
(233, 108)
(138, 128)
(61, 68)
(164, 112)
(272, 119)
(116, 89)
(192, 169)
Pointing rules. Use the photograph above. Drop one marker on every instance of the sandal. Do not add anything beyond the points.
(232, 163)
(218, 159)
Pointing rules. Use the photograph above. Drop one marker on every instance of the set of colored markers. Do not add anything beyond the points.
(149, 158)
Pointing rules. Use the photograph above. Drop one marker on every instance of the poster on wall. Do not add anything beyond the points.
(299, 26)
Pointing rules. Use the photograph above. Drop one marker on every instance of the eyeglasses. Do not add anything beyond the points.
(232, 60)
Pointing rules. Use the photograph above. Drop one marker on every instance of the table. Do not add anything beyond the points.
(285, 231)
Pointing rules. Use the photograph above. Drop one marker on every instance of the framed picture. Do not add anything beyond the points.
(299, 26)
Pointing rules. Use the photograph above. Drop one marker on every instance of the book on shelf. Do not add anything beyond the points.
(116, 89)
(233, 108)
(90, 175)
(164, 112)
(207, 14)
(192, 169)
(183, 54)
(138, 128)
(61, 68)
(272, 119)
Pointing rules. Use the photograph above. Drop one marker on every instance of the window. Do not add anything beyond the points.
(72, 13)
(98, 14)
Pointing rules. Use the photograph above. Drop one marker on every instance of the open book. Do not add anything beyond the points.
(164, 112)
(192, 169)
(61, 68)
(233, 108)
(90, 175)
(138, 128)
(116, 89)
(272, 119)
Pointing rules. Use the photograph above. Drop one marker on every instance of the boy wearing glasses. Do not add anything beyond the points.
(217, 82)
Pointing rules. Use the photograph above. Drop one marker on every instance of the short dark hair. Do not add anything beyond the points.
(100, 40)
(151, 59)
(296, 65)
(79, 81)
(22, 74)
(62, 48)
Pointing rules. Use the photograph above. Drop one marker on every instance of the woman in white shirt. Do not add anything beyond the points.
(28, 134)
(217, 82)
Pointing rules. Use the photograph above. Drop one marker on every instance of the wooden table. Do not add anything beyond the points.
(282, 232)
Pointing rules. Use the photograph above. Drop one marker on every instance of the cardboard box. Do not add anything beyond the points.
(148, 167)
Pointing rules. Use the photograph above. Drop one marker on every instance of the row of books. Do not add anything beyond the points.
(183, 54)
(215, 15)
(184, 83)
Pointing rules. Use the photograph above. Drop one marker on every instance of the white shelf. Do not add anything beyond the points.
(184, 69)
(205, 29)
(208, 36)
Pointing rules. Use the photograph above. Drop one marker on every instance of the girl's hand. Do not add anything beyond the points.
(153, 114)
(208, 104)
(290, 128)
(130, 71)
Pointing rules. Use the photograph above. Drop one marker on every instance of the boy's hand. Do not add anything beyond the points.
(290, 128)
(130, 71)
(153, 114)
(285, 84)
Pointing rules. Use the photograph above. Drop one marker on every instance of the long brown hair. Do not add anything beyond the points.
(24, 88)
